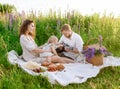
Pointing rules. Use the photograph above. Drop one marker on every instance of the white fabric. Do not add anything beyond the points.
(46, 54)
(28, 45)
(73, 72)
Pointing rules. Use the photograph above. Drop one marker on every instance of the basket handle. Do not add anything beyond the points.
(87, 43)
(99, 39)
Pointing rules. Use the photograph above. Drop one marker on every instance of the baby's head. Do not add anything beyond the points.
(53, 39)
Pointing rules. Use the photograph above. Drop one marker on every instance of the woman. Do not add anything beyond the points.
(30, 49)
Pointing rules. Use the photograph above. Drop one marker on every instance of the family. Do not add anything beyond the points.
(47, 52)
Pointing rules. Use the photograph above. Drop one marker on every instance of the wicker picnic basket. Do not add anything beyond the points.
(97, 59)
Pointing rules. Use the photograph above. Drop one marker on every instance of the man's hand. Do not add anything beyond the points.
(74, 50)
(67, 49)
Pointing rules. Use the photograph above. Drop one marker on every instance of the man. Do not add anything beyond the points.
(73, 41)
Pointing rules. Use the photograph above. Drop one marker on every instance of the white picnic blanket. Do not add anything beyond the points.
(73, 72)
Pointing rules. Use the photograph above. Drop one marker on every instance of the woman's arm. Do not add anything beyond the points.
(30, 47)
(41, 46)
(40, 50)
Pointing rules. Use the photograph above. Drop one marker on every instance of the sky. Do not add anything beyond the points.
(85, 7)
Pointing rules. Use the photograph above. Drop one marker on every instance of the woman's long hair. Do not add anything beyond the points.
(24, 28)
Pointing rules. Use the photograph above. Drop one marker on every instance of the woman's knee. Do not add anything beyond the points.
(48, 59)
(56, 59)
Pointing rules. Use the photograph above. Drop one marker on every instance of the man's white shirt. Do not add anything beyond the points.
(75, 41)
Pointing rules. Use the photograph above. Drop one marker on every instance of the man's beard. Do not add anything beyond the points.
(69, 36)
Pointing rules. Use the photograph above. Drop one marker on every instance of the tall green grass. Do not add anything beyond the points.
(12, 77)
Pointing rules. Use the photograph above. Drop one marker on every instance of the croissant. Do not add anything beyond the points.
(52, 68)
(46, 63)
(60, 67)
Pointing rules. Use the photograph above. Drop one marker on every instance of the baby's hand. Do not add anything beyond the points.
(60, 46)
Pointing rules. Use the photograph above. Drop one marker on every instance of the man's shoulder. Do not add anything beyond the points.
(62, 37)
(76, 35)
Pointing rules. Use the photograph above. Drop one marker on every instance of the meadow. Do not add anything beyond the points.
(89, 26)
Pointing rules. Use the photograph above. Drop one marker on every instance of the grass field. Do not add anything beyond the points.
(12, 77)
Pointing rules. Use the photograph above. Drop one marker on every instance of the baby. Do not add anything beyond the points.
(50, 45)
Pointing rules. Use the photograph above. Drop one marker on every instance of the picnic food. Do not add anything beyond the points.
(37, 70)
(46, 63)
(60, 67)
(54, 67)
